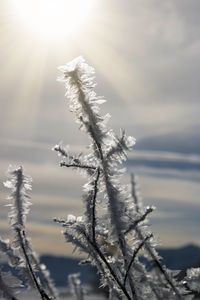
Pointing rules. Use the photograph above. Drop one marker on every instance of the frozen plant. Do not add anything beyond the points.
(114, 227)
(20, 252)
(7, 282)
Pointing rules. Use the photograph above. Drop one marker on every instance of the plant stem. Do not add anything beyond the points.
(135, 223)
(101, 255)
(158, 264)
(7, 293)
(148, 248)
(93, 129)
(94, 206)
(134, 256)
(21, 236)
(73, 165)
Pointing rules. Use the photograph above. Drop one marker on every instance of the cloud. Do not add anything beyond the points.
(158, 164)
(166, 165)
(181, 142)
(158, 80)
(45, 238)
(176, 223)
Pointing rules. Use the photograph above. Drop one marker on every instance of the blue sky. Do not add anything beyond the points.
(147, 60)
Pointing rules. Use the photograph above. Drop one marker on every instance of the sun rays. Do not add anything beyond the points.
(41, 28)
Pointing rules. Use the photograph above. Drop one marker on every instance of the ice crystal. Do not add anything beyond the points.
(20, 205)
(193, 278)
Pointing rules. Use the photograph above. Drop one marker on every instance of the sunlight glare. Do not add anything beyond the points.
(53, 18)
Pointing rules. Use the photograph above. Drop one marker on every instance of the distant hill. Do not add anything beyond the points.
(60, 267)
(181, 258)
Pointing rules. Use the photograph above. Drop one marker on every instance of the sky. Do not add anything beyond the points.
(147, 60)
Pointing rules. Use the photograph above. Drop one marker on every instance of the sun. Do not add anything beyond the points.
(53, 18)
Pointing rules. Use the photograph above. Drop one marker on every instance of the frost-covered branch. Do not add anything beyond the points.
(140, 219)
(107, 149)
(108, 265)
(22, 241)
(94, 206)
(19, 208)
(8, 250)
(106, 236)
(77, 234)
(26, 259)
(8, 281)
(64, 164)
(151, 250)
(134, 256)
(134, 193)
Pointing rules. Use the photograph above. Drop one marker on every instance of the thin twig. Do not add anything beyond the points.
(158, 264)
(148, 248)
(61, 150)
(73, 165)
(21, 236)
(134, 256)
(101, 255)
(121, 237)
(133, 192)
(115, 149)
(142, 218)
(94, 206)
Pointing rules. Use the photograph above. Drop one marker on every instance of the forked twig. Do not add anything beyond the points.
(141, 219)
(134, 256)
(103, 258)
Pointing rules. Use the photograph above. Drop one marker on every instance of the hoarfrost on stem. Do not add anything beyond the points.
(20, 252)
(113, 238)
